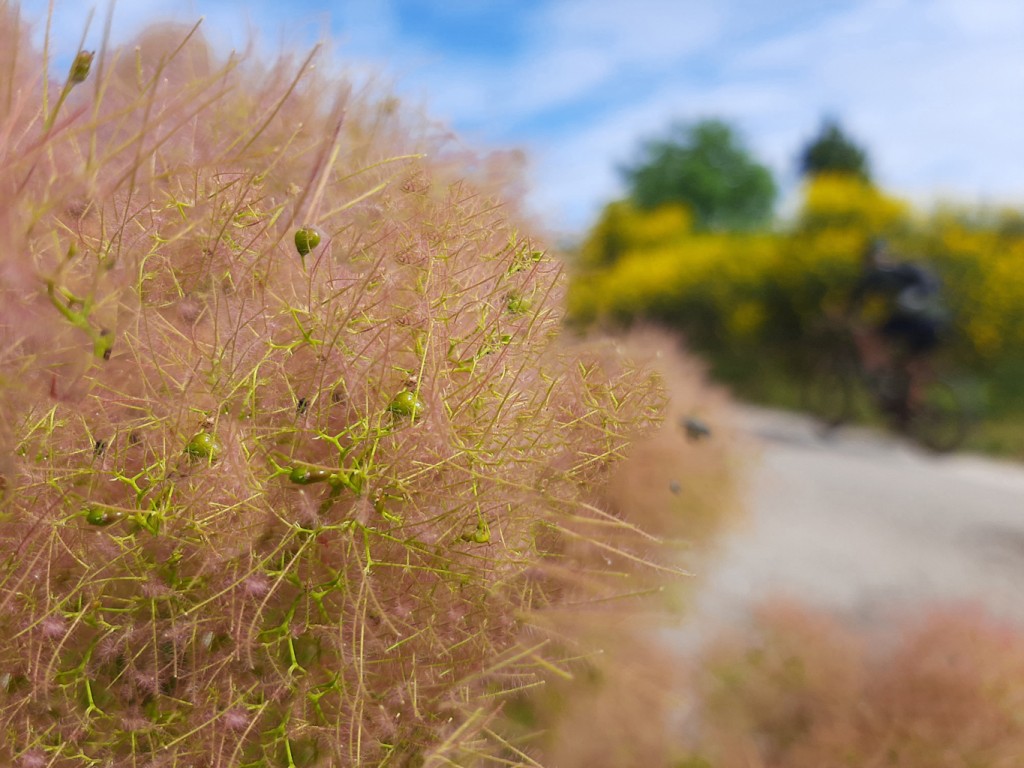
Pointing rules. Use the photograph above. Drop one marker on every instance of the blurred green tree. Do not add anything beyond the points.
(704, 166)
(832, 151)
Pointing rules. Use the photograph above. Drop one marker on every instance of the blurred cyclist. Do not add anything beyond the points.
(901, 305)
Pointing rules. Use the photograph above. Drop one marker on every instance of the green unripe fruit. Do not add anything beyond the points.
(307, 476)
(518, 305)
(80, 67)
(306, 239)
(204, 446)
(103, 345)
(406, 403)
(102, 517)
(482, 534)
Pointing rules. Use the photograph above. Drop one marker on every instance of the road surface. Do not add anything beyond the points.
(867, 526)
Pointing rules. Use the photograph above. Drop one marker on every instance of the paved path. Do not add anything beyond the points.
(868, 526)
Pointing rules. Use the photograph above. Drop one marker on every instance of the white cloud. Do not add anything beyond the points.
(580, 46)
(938, 103)
(575, 49)
(652, 32)
(984, 19)
(933, 88)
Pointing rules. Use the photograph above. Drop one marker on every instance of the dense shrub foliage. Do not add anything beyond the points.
(704, 166)
(801, 690)
(296, 469)
(762, 296)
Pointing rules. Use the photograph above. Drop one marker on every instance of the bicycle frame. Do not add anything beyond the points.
(905, 389)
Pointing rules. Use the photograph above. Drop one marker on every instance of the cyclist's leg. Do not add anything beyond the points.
(904, 337)
(921, 344)
(918, 338)
(873, 351)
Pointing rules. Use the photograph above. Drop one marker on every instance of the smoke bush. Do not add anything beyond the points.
(295, 463)
(940, 687)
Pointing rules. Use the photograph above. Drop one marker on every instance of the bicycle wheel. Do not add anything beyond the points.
(940, 421)
(828, 392)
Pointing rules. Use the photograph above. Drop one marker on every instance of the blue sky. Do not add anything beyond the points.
(934, 89)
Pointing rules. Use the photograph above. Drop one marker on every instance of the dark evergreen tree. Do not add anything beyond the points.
(832, 151)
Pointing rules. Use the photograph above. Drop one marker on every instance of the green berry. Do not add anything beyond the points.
(307, 476)
(406, 403)
(204, 446)
(102, 517)
(103, 345)
(306, 239)
(80, 67)
(518, 305)
(482, 534)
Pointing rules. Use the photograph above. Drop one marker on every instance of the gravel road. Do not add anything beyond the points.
(867, 526)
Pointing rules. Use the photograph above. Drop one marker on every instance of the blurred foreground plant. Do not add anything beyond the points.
(802, 691)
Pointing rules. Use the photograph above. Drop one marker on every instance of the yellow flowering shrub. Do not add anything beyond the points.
(832, 200)
(700, 277)
(622, 227)
(984, 272)
(768, 290)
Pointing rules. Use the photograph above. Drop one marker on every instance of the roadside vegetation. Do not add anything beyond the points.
(297, 466)
(799, 689)
(932, 687)
(753, 298)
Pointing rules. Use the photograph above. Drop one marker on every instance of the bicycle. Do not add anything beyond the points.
(925, 407)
